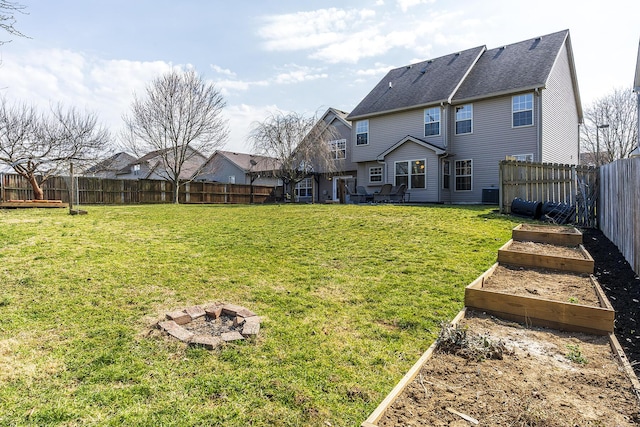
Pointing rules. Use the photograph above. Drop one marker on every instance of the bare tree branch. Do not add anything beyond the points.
(38, 146)
(180, 118)
(618, 110)
(7, 19)
(298, 144)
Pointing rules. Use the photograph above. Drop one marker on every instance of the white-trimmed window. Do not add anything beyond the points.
(432, 121)
(338, 149)
(464, 175)
(136, 169)
(412, 173)
(231, 179)
(304, 188)
(362, 132)
(464, 119)
(375, 174)
(522, 110)
(446, 174)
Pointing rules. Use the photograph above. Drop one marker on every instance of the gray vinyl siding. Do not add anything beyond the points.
(492, 139)
(412, 151)
(384, 131)
(560, 132)
(345, 133)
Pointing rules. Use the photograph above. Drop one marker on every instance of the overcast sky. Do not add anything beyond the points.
(303, 56)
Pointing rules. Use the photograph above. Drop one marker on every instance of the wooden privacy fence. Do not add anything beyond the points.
(93, 191)
(620, 207)
(550, 182)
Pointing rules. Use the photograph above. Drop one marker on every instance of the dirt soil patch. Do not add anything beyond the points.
(545, 378)
(622, 287)
(546, 249)
(549, 228)
(542, 283)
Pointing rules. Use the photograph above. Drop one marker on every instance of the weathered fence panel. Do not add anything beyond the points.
(551, 182)
(620, 207)
(92, 191)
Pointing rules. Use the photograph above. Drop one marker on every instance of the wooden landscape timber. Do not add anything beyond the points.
(553, 235)
(14, 204)
(532, 310)
(582, 264)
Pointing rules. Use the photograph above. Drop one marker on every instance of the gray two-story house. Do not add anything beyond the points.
(325, 185)
(442, 126)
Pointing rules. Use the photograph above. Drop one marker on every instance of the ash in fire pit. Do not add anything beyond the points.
(211, 325)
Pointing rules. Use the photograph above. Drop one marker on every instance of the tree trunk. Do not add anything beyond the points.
(176, 192)
(38, 194)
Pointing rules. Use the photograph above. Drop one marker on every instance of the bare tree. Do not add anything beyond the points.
(7, 19)
(610, 130)
(180, 119)
(298, 144)
(39, 146)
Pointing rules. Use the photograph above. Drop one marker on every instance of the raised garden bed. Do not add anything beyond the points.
(551, 234)
(33, 204)
(542, 298)
(539, 377)
(542, 255)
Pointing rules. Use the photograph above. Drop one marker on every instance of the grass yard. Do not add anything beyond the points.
(350, 295)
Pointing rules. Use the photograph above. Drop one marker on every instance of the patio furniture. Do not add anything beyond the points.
(365, 197)
(397, 193)
(383, 194)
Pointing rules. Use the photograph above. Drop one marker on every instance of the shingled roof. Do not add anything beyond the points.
(467, 75)
(515, 67)
(424, 83)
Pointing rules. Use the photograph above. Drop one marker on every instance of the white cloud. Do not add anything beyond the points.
(241, 119)
(404, 5)
(379, 69)
(218, 69)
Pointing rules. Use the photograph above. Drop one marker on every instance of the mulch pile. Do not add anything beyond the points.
(622, 287)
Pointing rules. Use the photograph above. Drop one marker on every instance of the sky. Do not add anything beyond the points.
(283, 55)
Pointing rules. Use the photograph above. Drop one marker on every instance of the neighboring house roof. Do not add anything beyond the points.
(339, 115)
(471, 74)
(250, 162)
(152, 162)
(424, 83)
(636, 80)
(435, 148)
(112, 164)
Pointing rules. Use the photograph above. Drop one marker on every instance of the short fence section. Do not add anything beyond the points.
(576, 186)
(98, 191)
(620, 207)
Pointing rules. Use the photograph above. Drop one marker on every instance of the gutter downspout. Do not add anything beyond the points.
(445, 135)
(539, 124)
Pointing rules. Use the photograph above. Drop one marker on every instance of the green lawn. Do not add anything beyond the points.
(350, 295)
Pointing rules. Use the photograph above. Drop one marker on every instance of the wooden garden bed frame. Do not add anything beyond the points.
(547, 234)
(12, 204)
(532, 310)
(583, 264)
(379, 412)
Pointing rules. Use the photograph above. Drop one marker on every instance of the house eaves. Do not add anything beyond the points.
(497, 94)
(438, 150)
(398, 110)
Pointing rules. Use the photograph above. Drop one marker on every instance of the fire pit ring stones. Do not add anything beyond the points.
(211, 325)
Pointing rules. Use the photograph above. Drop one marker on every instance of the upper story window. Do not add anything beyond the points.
(464, 119)
(432, 121)
(362, 132)
(338, 149)
(522, 108)
(411, 173)
(375, 174)
(136, 169)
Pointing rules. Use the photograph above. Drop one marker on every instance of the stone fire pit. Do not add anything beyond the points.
(211, 325)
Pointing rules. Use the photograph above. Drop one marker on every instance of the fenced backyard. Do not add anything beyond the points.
(620, 207)
(571, 185)
(100, 191)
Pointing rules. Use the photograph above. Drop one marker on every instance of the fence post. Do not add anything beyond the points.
(501, 186)
(1, 187)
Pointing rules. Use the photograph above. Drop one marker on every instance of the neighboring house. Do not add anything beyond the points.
(325, 186)
(151, 166)
(240, 168)
(109, 168)
(442, 126)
